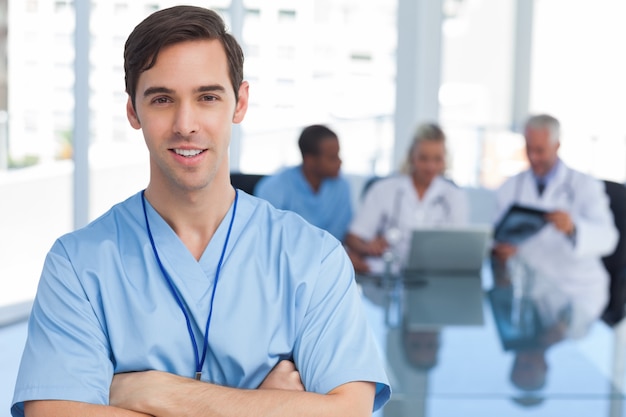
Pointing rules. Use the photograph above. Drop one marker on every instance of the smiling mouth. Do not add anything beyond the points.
(188, 153)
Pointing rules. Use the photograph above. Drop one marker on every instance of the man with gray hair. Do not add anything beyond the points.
(565, 253)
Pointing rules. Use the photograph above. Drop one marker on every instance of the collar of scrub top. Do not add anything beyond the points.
(199, 359)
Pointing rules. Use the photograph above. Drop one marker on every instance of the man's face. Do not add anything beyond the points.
(186, 106)
(541, 151)
(327, 161)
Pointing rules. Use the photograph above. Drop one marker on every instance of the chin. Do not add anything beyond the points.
(429, 178)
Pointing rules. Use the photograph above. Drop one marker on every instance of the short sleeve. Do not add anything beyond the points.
(336, 344)
(344, 213)
(66, 355)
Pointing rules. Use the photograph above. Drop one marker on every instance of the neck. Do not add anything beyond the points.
(315, 181)
(548, 173)
(421, 185)
(193, 215)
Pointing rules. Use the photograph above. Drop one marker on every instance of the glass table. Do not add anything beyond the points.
(470, 346)
(448, 353)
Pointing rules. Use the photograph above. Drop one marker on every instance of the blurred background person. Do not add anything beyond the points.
(534, 321)
(580, 230)
(315, 189)
(394, 206)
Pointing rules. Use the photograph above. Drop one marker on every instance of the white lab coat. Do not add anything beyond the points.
(553, 304)
(392, 208)
(575, 267)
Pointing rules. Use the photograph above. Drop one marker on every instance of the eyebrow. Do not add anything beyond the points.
(202, 89)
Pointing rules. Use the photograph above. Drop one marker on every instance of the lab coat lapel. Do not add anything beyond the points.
(550, 199)
(433, 191)
(527, 190)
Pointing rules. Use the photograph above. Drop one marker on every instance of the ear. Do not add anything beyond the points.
(131, 114)
(242, 103)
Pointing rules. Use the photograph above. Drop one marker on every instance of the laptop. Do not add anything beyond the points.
(448, 250)
(448, 263)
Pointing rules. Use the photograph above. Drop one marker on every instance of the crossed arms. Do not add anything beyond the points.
(161, 394)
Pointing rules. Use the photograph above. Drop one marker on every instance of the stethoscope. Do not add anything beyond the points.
(390, 225)
(565, 187)
(442, 202)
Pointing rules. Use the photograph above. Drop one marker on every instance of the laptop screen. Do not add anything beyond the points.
(448, 250)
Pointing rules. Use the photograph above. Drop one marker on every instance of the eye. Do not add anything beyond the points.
(208, 97)
(160, 100)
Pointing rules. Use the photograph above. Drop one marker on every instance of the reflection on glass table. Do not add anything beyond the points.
(528, 327)
(501, 352)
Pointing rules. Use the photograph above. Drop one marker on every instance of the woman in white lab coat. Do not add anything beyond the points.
(396, 205)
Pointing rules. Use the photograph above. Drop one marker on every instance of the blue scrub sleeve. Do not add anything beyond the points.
(66, 355)
(336, 345)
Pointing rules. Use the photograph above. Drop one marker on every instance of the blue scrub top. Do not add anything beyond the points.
(286, 290)
(330, 208)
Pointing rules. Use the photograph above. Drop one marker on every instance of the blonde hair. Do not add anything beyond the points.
(426, 132)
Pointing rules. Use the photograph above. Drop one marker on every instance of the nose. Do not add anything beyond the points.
(185, 120)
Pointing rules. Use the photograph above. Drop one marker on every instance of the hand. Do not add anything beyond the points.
(358, 263)
(503, 251)
(376, 247)
(284, 376)
(561, 221)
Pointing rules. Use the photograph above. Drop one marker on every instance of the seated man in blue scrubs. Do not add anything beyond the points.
(190, 298)
(315, 189)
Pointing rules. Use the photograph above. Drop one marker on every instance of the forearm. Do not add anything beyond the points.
(187, 397)
(356, 244)
(213, 400)
(54, 408)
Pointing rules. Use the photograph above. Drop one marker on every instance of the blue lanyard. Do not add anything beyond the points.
(168, 279)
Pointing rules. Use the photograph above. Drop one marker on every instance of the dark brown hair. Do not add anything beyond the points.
(174, 25)
(311, 136)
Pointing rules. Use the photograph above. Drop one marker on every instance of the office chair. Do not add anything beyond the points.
(615, 263)
(245, 182)
(368, 184)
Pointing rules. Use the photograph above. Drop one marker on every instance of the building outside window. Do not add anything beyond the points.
(310, 61)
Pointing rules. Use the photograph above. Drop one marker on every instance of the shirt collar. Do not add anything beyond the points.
(550, 174)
